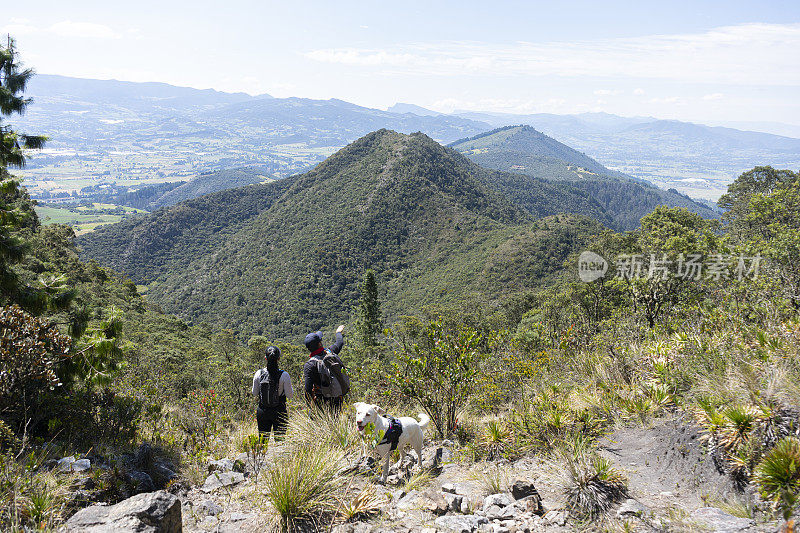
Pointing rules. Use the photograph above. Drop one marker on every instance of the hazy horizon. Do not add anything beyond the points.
(692, 61)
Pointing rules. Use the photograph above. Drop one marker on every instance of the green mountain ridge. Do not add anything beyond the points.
(524, 150)
(281, 258)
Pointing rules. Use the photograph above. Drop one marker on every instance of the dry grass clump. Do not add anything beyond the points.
(365, 504)
(301, 484)
(493, 478)
(321, 426)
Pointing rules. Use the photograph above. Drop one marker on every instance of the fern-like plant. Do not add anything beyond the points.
(778, 475)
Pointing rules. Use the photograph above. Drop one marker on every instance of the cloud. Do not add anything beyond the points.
(714, 96)
(668, 100)
(766, 53)
(607, 92)
(65, 28)
(638, 92)
(501, 105)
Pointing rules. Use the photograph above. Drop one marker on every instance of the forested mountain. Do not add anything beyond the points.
(696, 159)
(524, 150)
(287, 256)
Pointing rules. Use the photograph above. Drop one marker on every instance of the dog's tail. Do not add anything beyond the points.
(423, 421)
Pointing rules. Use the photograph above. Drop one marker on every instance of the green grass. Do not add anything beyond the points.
(79, 219)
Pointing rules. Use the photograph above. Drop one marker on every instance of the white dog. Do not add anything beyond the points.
(410, 432)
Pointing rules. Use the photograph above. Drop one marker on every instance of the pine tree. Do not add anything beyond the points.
(369, 323)
(13, 79)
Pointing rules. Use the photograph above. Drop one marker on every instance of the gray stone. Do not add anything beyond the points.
(500, 500)
(530, 504)
(631, 507)
(453, 502)
(80, 465)
(719, 521)
(65, 463)
(460, 524)
(221, 479)
(238, 517)
(222, 465)
(449, 487)
(155, 512)
(141, 481)
(558, 518)
(465, 506)
(210, 507)
(521, 489)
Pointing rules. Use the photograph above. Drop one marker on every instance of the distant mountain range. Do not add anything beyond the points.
(523, 150)
(283, 257)
(141, 133)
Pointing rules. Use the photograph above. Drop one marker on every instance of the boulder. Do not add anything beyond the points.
(221, 479)
(454, 502)
(436, 503)
(449, 487)
(155, 512)
(530, 504)
(718, 521)
(460, 524)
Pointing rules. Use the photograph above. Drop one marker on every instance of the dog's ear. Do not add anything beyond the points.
(379, 410)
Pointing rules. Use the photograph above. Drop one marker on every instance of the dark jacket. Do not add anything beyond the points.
(310, 372)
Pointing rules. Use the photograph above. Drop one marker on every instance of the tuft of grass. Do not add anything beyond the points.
(778, 475)
(417, 481)
(308, 427)
(302, 482)
(493, 478)
(591, 485)
(365, 504)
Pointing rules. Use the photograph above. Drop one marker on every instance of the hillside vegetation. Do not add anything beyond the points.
(255, 259)
(523, 150)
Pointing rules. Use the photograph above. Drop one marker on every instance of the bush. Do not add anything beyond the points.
(437, 365)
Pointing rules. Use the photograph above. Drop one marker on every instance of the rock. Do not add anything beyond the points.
(162, 475)
(719, 521)
(140, 481)
(155, 512)
(521, 489)
(530, 504)
(433, 461)
(558, 518)
(80, 465)
(436, 503)
(238, 517)
(500, 500)
(221, 479)
(631, 507)
(210, 507)
(460, 524)
(64, 464)
(144, 457)
(493, 512)
(465, 506)
(222, 465)
(453, 502)
(449, 487)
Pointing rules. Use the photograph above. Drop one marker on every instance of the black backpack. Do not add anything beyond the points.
(268, 392)
(332, 375)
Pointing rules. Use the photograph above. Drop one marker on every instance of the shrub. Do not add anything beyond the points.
(437, 364)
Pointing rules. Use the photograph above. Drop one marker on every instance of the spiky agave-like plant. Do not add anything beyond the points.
(592, 485)
(778, 475)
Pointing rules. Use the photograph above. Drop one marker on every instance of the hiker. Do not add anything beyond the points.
(326, 382)
(272, 386)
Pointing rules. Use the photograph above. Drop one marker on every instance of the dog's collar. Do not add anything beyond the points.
(392, 433)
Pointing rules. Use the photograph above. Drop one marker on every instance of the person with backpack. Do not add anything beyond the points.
(272, 386)
(326, 381)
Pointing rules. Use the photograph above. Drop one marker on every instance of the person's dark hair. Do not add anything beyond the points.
(272, 354)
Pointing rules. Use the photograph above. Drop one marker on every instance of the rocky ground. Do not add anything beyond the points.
(673, 486)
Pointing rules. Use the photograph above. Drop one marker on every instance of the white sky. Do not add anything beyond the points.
(698, 61)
